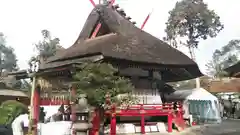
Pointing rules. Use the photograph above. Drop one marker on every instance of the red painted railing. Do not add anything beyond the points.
(140, 110)
(146, 110)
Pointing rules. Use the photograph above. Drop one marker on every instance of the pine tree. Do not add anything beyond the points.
(97, 80)
(8, 59)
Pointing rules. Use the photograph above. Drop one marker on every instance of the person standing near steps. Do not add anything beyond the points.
(20, 124)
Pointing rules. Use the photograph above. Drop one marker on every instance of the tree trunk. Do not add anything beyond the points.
(191, 46)
(192, 54)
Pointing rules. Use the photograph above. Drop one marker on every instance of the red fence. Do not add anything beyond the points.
(173, 112)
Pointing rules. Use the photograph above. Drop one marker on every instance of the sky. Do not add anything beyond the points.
(22, 22)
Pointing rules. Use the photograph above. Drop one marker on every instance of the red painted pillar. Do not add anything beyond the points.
(113, 121)
(113, 124)
(73, 109)
(36, 108)
(170, 121)
(142, 120)
(36, 103)
(142, 125)
(95, 122)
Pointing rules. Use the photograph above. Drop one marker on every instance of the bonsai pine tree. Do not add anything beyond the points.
(97, 80)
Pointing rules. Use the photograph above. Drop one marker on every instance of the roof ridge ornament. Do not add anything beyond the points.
(115, 6)
(94, 34)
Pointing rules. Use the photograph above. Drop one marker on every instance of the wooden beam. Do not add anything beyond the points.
(112, 2)
(99, 24)
(96, 30)
(93, 3)
(146, 19)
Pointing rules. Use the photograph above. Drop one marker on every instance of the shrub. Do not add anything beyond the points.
(97, 80)
(10, 110)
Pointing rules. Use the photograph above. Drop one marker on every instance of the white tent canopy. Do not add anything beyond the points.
(201, 94)
(196, 94)
(193, 94)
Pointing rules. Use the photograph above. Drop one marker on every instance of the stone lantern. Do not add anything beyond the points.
(82, 123)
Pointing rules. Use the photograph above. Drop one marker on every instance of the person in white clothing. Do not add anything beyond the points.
(20, 124)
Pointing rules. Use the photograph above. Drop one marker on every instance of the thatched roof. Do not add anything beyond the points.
(65, 63)
(234, 70)
(21, 74)
(231, 85)
(13, 93)
(125, 42)
(120, 39)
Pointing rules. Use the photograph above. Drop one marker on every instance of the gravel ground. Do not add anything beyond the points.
(227, 127)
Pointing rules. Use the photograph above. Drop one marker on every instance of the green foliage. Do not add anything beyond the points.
(223, 58)
(10, 110)
(96, 80)
(4, 116)
(48, 46)
(192, 20)
(215, 69)
(8, 60)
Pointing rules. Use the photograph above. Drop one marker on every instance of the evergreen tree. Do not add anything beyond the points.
(97, 80)
(8, 60)
(193, 20)
(223, 58)
(48, 46)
